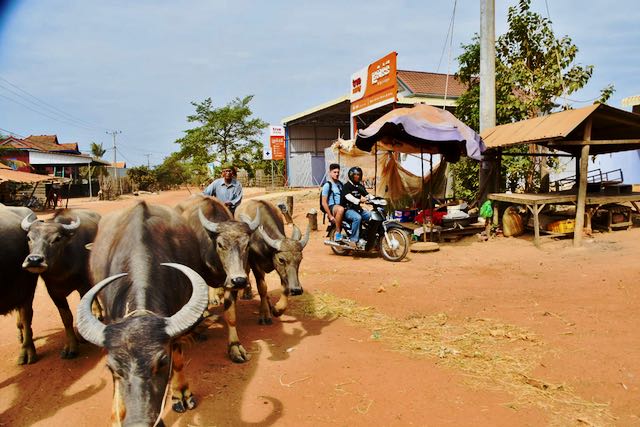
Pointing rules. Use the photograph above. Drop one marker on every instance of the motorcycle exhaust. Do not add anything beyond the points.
(332, 243)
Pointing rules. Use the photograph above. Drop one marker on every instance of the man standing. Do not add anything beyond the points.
(330, 199)
(227, 189)
(354, 193)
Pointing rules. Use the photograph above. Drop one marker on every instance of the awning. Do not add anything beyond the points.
(612, 130)
(9, 175)
(422, 129)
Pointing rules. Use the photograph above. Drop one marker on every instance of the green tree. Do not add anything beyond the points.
(143, 177)
(171, 172)
(97, 150)
(225, 134)
(529, 64)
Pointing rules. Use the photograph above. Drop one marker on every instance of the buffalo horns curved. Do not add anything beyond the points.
(192, 310)
(27, 221)
(208, 225)
(88, 326)
(275, 244)
(253, 225)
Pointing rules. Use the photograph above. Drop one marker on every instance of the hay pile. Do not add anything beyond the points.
(491, 354)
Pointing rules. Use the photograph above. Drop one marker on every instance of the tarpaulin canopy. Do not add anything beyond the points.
(422, 129)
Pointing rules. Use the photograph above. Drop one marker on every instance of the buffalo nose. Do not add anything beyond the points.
(239, 282)
(297, 291)
(35, 259)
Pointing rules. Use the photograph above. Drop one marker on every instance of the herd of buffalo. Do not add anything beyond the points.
(145, 274)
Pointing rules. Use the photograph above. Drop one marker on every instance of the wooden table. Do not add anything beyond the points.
(536, 202)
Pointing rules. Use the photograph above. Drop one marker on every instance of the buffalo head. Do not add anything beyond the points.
(230, 241)
(139, 353)
(287, 256)
(47, 241)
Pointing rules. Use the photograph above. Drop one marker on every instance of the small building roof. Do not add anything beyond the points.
(9, 175)
(612, 130)
(425, 83)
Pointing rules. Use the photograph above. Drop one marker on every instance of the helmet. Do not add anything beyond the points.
(355, 171)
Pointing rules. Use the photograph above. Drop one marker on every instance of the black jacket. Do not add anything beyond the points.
(357, 191)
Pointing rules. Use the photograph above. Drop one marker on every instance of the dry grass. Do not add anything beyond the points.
(491, 354)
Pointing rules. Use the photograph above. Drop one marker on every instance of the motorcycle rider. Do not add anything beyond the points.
(354, 193)
(330, 198)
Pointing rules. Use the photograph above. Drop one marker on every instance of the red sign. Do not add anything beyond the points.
(278, 150)
(375, 85)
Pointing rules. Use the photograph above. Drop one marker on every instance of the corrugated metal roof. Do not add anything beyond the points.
(315, 109)
(553, 126)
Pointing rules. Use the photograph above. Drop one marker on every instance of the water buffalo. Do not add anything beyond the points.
(224, 248)
(57, 252)
(271, 250)
(147, 308)
(17, 286)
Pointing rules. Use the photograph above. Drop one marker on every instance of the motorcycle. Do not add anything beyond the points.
(379, 234)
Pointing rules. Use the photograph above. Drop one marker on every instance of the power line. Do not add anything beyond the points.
(45, 114)
(41, 103)
(12, 133)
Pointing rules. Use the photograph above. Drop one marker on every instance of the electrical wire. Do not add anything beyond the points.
(47, 106)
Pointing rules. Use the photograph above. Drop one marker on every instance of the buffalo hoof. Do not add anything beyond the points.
(27, 356)
(68, 354)
(238, 354)
(296, 292)
(181, 405)
(265, 321)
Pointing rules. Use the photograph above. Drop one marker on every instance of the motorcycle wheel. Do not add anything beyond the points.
(394, 254)
(336, 250)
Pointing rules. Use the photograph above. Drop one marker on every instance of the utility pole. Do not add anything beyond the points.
(147, 156)
(115, 168)
(489, 164)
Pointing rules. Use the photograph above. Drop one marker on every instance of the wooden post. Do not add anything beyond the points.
(582, 185)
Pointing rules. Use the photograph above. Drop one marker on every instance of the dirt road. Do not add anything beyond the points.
(496, 334)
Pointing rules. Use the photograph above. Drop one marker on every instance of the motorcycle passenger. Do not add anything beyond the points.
(354, 193)
(330, 198)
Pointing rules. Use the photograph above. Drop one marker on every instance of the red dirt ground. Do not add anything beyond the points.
(575, 310)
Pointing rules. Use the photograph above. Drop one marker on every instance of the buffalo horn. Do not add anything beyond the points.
(27, 221)
(208, 225)
(88, 326)
(253, 225)
(296, 234)
(305, 239)
(275, 244)
(73, 226)
(191, 312)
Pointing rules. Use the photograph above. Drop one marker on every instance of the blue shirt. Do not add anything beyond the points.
(335, 193)
(224, 192)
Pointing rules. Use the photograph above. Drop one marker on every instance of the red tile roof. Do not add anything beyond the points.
(48, 143)
(424, 83)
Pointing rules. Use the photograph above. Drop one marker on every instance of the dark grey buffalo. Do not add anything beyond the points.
(17, 286)
(145, 260)
(57, 251)
(271, 250)
(224, 248)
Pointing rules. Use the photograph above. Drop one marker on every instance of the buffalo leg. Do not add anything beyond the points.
(70, 349)
(236, 351)
(28, 350)
(247, 293)
(282, 303)
(265, 304)
(181, 397)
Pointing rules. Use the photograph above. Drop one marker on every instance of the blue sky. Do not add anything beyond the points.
(136, 66)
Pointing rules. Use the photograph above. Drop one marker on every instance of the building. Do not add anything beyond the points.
(311, 131)
(45, 155)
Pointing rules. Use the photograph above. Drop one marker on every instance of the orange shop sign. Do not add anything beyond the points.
(278, 150)
(375, 85)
